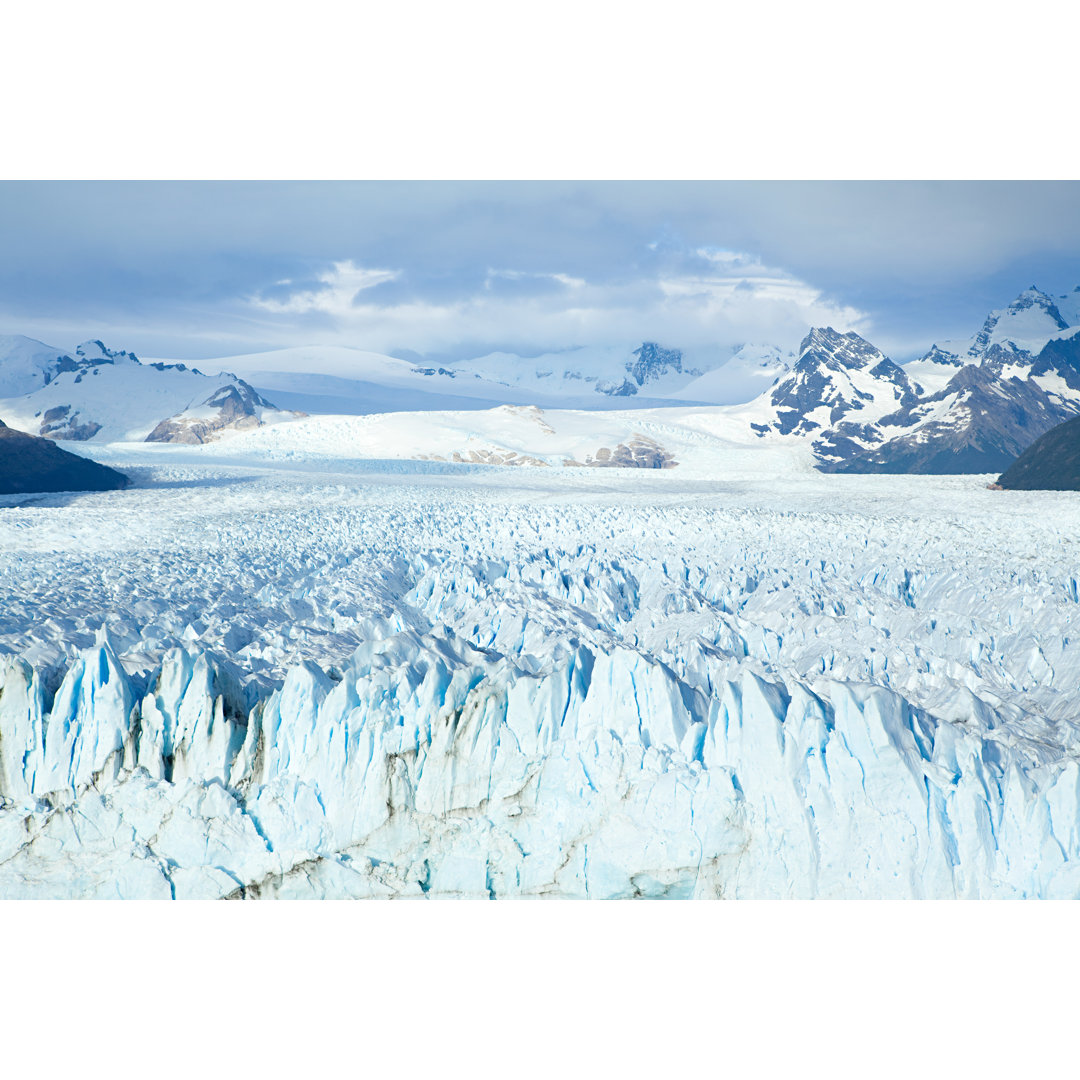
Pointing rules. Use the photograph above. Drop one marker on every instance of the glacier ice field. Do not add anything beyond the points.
(309, 679)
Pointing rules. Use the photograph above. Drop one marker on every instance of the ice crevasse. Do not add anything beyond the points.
(426, 766)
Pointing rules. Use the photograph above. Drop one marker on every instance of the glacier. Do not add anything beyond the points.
(311, 680)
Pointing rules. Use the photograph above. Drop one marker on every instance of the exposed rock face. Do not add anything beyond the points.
(640, 452)
(234, 407)
(29, 463)
(837, 378)
(978, 423)
(1061, 357)
(650, 363)
(1016, 379)
(61, 423)
(1051, 463)
(484, 457)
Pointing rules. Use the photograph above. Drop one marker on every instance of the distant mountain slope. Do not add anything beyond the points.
(982, 403)
(617, 371)
(230, 408)
(29, 463)
(1051, 463)
(27, 365)
(751, 369)
(339, 379)
(836, 395)
(106, 395)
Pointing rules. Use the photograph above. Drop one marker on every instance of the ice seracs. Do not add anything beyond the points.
(326, 676)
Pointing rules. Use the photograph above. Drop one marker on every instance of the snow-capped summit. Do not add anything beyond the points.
(94, 352)
(833, 349)
(1009, 336)
(27, 364)
(1027, 324)
(234, 406)
(651, 362)
(109, 395)
(838, 379)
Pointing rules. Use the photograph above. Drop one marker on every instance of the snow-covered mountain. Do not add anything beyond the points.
(232, 407)
(1015, 379)
(27, 365)
(322, 379)
(648, 374)
(978, 423)
(836, 395)
(1009, 337)
(750, 370)
(650, 370)
(1022, 328)
(106, 395)
(962, 407)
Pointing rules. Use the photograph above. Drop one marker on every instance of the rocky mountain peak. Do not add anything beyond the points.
(824, 345)
(1024, 325)
(651, 362)
(94, 352)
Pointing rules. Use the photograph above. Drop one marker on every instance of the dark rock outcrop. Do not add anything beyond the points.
(1051, 463)
(60, 422)
(29, 463)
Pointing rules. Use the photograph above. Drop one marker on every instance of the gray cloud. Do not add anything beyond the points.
(174, 267)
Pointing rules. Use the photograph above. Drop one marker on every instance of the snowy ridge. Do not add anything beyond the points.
(106, 396)
(338, 379)
(27, 364)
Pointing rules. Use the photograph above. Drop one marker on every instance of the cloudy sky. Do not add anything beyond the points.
(452, 269)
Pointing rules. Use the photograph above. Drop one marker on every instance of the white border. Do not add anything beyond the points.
(583, 89)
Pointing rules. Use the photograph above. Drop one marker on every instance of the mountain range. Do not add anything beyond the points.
(964, 406)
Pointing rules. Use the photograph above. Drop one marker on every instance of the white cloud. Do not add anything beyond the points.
(732, 298)
(522, 275)
(342, 283)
